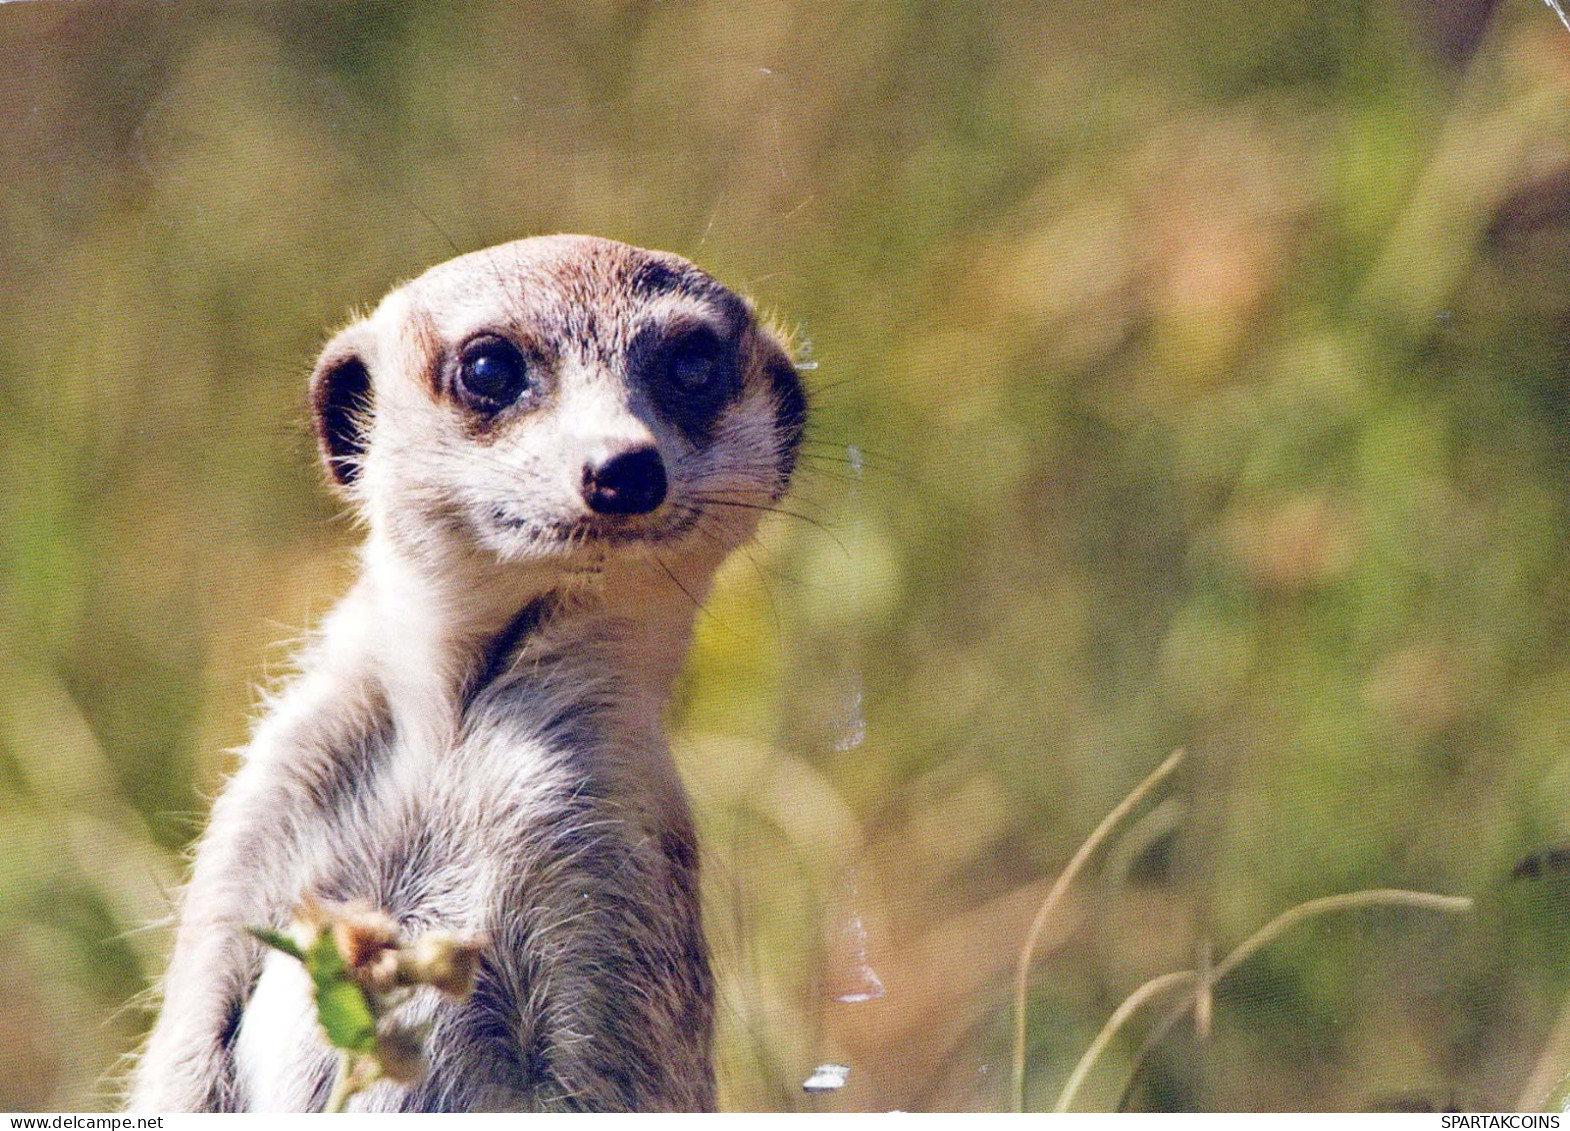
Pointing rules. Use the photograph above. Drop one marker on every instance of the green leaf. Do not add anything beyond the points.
(345, 1016)
(341, 1005)
(278, 941)
(323, 962)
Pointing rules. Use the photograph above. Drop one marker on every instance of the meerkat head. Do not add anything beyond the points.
(558, 401)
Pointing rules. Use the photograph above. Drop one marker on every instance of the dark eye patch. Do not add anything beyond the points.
(691, 371)
(696, 362)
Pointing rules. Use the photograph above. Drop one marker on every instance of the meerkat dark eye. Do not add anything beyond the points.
(492, 374)
(691, 369)
(696, 361)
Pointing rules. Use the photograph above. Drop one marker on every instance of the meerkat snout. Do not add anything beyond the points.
(630, 482)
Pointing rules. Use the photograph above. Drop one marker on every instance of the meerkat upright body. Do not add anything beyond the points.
(553, 444)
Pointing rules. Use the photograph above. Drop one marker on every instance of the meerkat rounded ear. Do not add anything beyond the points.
(790, 401)
(341, 402)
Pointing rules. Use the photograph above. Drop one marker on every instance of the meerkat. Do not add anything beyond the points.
(552, 444)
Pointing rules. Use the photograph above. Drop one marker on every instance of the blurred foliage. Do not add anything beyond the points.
(1186, 374)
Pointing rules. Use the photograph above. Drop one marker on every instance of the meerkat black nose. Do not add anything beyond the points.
(631, 482)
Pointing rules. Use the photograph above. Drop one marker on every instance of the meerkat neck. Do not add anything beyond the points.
(435, 636)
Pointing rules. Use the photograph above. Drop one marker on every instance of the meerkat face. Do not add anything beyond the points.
(558, 399)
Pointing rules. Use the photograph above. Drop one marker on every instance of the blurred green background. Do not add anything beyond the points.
(1187, 374)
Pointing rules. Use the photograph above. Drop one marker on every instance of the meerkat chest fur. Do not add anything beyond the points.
(552, 444)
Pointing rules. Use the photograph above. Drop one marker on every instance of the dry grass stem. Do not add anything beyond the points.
(1055, 897)
(1374, 897)
(1151, 989)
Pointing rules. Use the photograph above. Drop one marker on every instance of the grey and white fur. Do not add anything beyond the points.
(553, 444)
